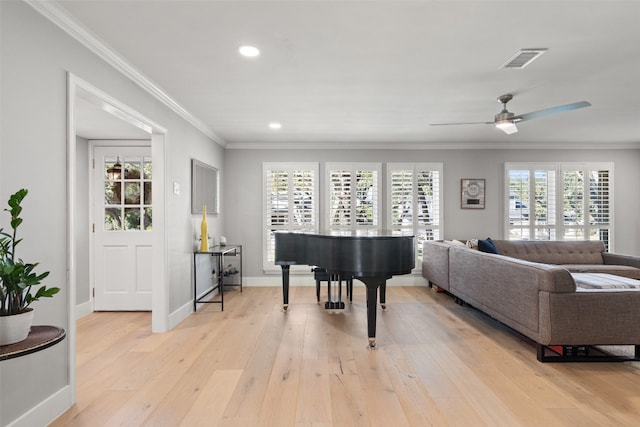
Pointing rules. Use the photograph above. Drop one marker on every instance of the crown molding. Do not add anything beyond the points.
(60, 17)
(430, 146)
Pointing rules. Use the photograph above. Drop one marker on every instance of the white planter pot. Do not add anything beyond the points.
(15, 328)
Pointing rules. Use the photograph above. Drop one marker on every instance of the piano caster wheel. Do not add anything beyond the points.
(384, 307)
(372, 343)
(285, 306)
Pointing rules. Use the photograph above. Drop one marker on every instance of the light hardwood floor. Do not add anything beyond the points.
(254, 365)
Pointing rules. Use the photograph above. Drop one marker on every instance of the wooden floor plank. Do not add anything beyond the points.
(208, 408)
(436, 363)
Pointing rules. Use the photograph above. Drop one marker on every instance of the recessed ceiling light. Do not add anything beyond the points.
(249, 51)
(275, 125)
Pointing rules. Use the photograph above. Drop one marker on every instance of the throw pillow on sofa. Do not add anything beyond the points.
(487, 245)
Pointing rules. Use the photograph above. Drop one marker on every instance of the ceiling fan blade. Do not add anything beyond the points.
(463, 123)
(552, 110)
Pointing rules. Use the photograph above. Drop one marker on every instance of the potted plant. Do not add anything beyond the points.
(20, 285)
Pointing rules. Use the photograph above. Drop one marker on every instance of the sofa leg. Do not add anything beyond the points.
(540, 352)
(585, 353)
(459, 301)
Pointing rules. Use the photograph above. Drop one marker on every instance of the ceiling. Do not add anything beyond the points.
(377, 73)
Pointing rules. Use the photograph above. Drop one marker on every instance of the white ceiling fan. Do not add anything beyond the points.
(506, 120)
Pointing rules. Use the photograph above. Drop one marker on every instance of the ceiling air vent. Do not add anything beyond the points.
(523, 58)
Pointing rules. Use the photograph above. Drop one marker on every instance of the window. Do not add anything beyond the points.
(290, 202)
(413, 201)
(559, 201)
(352, 196)
(127, 193)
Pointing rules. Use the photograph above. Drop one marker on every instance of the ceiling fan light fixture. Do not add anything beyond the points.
(507, 126)
(522, 58)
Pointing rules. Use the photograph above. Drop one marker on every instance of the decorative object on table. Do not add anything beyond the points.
(17, 280)
(473, 193)
(223, 241)
(204, 233)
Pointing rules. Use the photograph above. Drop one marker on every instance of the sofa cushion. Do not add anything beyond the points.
(618, 270)
(553, 252)
(595, 282)
(453, 242)
(487, 245)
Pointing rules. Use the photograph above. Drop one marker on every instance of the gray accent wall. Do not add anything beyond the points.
(243, 187)
(35, 58)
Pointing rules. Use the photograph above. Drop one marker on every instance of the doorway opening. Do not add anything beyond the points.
(81, 94)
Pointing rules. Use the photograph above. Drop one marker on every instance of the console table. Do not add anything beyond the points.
(39, 338)
(219, 252)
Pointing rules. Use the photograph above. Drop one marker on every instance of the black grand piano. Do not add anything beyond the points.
(369, 256)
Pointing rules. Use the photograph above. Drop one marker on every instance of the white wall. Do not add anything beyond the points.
(243, 187)
(81, 225)
(35, 58)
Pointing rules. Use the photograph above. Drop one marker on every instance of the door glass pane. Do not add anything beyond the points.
(132, 168)
(132, 218)
(112, 192)
(148, 219)
(112, 168)
(131, 193)
(113, 219)
(147, 193)
(147, 168)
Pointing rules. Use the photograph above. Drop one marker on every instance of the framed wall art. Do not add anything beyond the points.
(204, 187)
(473, 193)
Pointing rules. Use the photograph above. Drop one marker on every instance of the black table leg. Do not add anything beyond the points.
(221, 280)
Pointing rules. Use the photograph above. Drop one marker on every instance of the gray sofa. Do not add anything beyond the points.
(529, 287)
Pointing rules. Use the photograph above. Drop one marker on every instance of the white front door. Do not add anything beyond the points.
(123, 228)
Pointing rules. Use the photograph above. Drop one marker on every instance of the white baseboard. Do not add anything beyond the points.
(180, 314)
(83, 309)
(46, 411)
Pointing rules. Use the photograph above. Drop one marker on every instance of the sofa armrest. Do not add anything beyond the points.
(435, 263)
(617, 259)
(506, 288)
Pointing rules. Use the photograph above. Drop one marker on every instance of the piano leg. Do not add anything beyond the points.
(285, 286)
(383, 295)
(372, 284)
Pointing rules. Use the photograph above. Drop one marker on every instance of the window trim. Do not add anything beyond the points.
(314, 167)
(415, 227)
(352, 167)
(559, 168)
